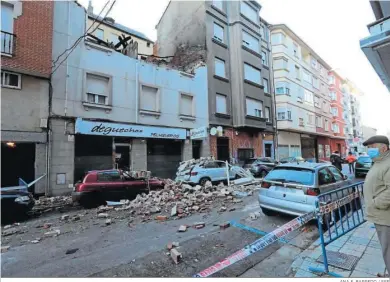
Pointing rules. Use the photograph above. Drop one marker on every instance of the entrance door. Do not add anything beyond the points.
(339, 148)
(223, 149)
(122, 156)
(268, 148)
(196, 149)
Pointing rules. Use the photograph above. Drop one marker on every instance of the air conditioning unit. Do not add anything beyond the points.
(43, 123)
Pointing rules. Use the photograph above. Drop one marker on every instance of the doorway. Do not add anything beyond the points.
(268, 149)
(122, 156)
(223, 149)
(18, 161)
(196, 149)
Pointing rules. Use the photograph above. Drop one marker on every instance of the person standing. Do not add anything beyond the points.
(351, 159)
(376, 192)
(336, 160)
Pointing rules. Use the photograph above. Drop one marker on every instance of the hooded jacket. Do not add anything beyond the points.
(336, 160)
(376, 190)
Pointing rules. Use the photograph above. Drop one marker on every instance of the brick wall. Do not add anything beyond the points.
(34, 34)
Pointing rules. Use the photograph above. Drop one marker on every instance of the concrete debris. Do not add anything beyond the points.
(239, 194)
(65, 217)
(208, 184)
(105, 208)
(232, 209)
(199, 225)
(36, 241)
(222, 209)
(47, 225)
(176, 256)
(169, 246)
(182, 228)
(5, 249)
(108, 221)
(253, 215)
(46, 204)
(10, 231)
(7, 227)
(224, 225)
(76, 217)
(175, 244)
(53, 233)
(102, 215)
(174, 210)
(161, 217)
(195, 208)
(155, 210)
(71, 251)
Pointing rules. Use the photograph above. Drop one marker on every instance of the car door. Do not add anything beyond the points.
(111, 185)
(212, 171)
(222, 170)
(326, 181)
(339, 177)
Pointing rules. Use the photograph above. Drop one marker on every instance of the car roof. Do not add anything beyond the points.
(307, 165)
(103, 170)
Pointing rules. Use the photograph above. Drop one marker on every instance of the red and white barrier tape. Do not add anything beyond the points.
(339, 203)
(258, 244)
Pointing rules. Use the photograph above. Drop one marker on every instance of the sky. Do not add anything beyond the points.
(332, 28)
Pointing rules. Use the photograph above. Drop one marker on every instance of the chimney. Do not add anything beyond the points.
(90, 8)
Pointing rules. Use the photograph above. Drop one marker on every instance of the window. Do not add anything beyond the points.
(221, 104)
(250, 41)
(333, 96)
(301, 122)
(268, 114)
(319, 121)
(293, 175)
(244, 154)
(150, 99)
(252, 74)
(218, 32)
(11, 80)
(265, 84)
(249, 12)
(283, 151)
(297, 72)
(97, 89)
(317, 101)
(335, 111)
(282, 90)
(264, 58)
(324, 177)
(320, 150)
(307, 77)
(109, 176)
(314, 63)
(325, 106)
(310, 119)
(331, 79)
(148, 44)
(308, 97)
(186, 105)
(219, 67)
(326, 125)
(7, 25)
(278, 38)
(295, 49)
(114, 38)
(283, 114)
(218, 4)
(280, 63)
(336, 128)
(327, 151)
(254, 107)
(99, 33)
(336, 173)
(316, 83)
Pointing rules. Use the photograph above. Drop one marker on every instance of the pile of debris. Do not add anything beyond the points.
(46, 204)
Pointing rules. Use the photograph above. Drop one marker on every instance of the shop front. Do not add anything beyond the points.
(106, 145)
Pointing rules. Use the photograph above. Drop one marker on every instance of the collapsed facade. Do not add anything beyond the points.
(237, 50)
(110, 110)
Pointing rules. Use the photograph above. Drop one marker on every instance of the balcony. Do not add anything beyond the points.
(7, 43)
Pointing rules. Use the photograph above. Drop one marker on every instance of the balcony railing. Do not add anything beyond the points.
(7, 43)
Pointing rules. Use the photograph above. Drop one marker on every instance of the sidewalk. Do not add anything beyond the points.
(361, 243)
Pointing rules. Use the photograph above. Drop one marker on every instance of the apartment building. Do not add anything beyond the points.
(303, 105)
(337, 142)
(240, 85)
(26, 47)
(110, 110)
(111, 31)
(351, 102)
(376, 46)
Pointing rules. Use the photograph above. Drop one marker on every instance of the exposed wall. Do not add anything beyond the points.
(288, 138)
(33, 44)
(138, 153)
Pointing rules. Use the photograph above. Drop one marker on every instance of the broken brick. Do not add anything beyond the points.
(65, 217)
(176, 256)
(222, 209)
(102, 215)
(161, 217)
(108, 221)
(54, 233)
(182, 228)
(5, 249)
(174, 211)
(47, 225)
(224, 225)
(199, 225)
(169, 245)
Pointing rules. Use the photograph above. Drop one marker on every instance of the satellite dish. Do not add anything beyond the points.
(219, 129)
(213, 131)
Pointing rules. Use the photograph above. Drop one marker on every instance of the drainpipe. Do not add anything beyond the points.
(67, 67)
(136, 91)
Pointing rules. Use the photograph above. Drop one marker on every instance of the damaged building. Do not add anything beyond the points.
(236, 43)
(111, 110)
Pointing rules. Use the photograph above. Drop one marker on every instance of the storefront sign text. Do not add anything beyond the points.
(198, 133)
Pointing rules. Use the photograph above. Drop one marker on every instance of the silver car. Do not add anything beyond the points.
(293, 188)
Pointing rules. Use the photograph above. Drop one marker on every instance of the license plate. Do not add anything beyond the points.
(285, 190)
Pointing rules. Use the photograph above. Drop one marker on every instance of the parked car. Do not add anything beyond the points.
(260, 166)
(100, 186)
(315, 178)
(362, 165)
(214, 171)
(291, 160)
(15, 204)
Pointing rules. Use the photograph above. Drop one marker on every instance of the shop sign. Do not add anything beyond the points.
(198, 133)
(127, 130)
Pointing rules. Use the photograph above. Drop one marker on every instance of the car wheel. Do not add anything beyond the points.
(268, 212)
(92, 201)
(203, 181)
(263, 173)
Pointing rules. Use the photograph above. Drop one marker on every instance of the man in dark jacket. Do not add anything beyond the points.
(336, 160)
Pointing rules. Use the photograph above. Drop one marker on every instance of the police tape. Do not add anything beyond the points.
(258, 244)
(324, 209)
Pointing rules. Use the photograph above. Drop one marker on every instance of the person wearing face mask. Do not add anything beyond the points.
(376, 191)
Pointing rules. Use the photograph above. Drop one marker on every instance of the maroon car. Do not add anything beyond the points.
(99, 186)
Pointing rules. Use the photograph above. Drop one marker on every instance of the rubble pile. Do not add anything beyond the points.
(46, 204)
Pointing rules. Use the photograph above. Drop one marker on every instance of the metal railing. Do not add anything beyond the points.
(7, 43)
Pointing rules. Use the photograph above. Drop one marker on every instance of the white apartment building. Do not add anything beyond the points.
(302, 95)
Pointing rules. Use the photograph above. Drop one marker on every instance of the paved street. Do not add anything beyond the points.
(123, 251)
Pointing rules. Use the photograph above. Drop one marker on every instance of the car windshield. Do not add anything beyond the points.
(291, 175)
(249, 161)
(365, 159)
